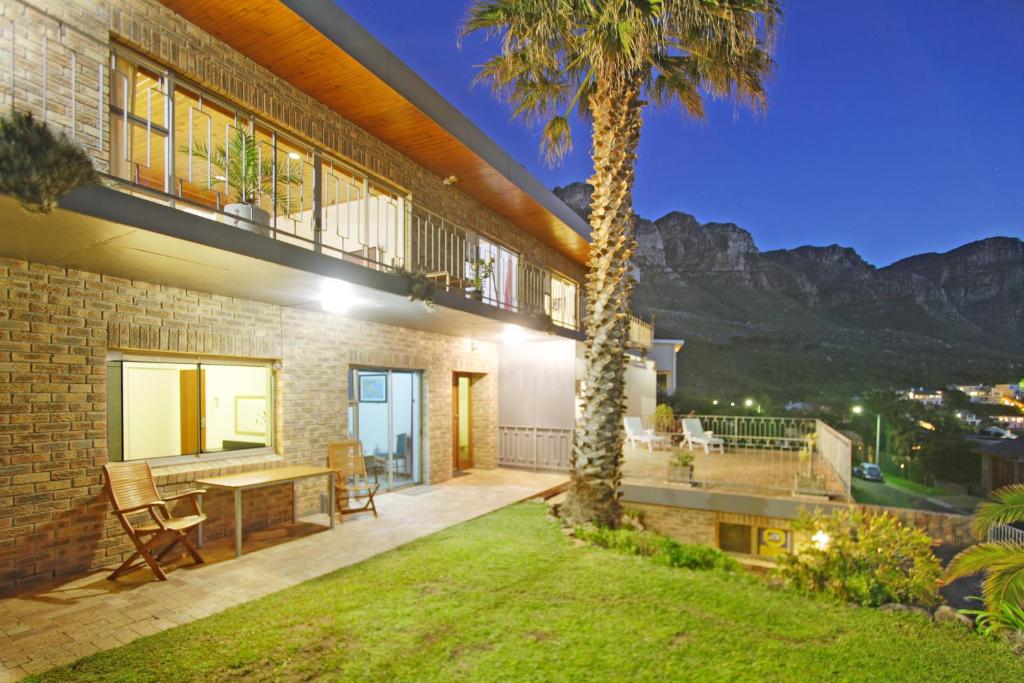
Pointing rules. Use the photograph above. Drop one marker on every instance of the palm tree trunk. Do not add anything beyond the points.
(597, 448)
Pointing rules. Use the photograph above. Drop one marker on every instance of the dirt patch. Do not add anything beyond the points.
(462, 649)
(540, 636)
(680, 638)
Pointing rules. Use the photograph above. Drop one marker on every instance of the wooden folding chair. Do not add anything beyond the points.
(132, 490)
(350, 480)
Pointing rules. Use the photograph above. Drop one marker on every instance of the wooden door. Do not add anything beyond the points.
(462, 423)
(193, 411)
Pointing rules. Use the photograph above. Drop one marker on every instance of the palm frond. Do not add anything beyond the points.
(557, 139)
(1004, 567)
(1005, 507)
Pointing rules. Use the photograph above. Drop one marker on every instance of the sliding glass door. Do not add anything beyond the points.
(384, 414)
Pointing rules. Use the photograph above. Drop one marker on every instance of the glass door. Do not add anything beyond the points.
(384, 414)
(462, 412)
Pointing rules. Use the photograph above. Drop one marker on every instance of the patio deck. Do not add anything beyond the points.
(76, 617)
(744, 470)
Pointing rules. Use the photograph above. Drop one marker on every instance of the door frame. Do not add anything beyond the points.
(456, 464)
(353, 401)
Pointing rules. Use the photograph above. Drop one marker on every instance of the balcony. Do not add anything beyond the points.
(771, 456)
(641, 335)
(157, 137)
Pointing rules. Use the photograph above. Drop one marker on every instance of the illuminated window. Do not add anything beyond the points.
(563, 301)
(500, 288)
(159, 409)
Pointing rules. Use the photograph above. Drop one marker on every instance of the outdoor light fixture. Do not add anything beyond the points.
(858, 410)
(715, 402)
(749, 402)
(821, 540)
(513, 334)
(335, 296)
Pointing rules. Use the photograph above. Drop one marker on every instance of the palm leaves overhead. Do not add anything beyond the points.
(1003, 563)
(555, 53)
(605, 59)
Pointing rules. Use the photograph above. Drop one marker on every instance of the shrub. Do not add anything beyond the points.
(659, 549)
(869, 560)
(664, 420)
(38, 166)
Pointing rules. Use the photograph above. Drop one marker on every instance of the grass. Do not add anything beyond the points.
(913, 487)
(879, 494)
(508, 597)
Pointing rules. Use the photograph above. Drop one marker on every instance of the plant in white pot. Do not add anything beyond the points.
(248, 175)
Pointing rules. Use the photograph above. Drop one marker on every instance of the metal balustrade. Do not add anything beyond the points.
(641, 334)
(536, 448)
(142, 134)
(1005, 533)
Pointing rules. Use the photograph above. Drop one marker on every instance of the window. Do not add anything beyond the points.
(735, 538)
(500, 289)
(167, 408)
(563, 301)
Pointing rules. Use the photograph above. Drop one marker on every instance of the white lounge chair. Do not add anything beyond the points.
(694, 435)
(635, 433)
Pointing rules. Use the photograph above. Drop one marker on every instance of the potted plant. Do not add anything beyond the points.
(680, 467)
(248, 176)
(482, 270)
(38, 165)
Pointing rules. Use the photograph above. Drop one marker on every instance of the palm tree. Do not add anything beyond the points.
(1003, 563)
(605, 59)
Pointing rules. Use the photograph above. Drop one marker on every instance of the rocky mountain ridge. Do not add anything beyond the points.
(956, 315)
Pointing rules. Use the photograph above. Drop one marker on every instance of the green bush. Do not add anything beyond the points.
(868, 560)
(660, 549)
(38, 166)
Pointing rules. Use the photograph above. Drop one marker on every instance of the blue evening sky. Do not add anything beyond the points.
(894, 126)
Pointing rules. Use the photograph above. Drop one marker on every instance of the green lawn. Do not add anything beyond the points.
(914, 487)
(508, 597)
(874, 493)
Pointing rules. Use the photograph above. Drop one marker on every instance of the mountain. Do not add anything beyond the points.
(815, 321)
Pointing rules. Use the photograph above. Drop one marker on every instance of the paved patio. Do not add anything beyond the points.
(59, 623)
(748, 470)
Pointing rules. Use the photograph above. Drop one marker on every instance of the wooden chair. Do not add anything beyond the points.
(350, 479)
(132, 490)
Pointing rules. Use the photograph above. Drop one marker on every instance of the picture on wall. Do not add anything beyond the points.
(373, 387)
(251, 415)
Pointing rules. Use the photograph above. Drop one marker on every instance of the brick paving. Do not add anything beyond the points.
(62, 622)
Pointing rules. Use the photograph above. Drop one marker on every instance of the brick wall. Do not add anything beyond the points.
(56, 329)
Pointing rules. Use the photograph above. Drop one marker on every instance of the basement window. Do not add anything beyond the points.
(169, 408)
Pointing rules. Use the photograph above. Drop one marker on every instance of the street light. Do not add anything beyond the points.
(857, 410)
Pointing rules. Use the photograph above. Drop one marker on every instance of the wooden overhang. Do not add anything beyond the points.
(321, 50)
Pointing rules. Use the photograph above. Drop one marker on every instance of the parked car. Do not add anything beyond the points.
(868, 471)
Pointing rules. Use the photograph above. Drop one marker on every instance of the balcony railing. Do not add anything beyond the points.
(641, 334)
(773, 455)
(146, 130)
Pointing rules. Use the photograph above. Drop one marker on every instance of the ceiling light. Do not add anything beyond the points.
(335, 296)
(513, 334)
(294, 155)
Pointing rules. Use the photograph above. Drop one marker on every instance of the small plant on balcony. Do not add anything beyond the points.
(248, 174)
(680, 466)
(421, 287)
(482, 271)
(39, 166)
(664, 419)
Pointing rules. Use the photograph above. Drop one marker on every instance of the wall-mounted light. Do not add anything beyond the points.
(451, 180)
(513, 334)
(335, 296)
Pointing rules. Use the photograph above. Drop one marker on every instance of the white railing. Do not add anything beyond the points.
(1005, 533)
(755, 431)
(537, 448)
(835, 450)
(641, 334)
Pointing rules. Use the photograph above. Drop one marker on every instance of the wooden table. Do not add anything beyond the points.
(261, 478)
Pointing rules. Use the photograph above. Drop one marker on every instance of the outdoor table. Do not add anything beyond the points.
(261, 478)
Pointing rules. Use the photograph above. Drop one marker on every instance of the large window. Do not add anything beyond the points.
(501, 287)
(563, 302)
(167, 408)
